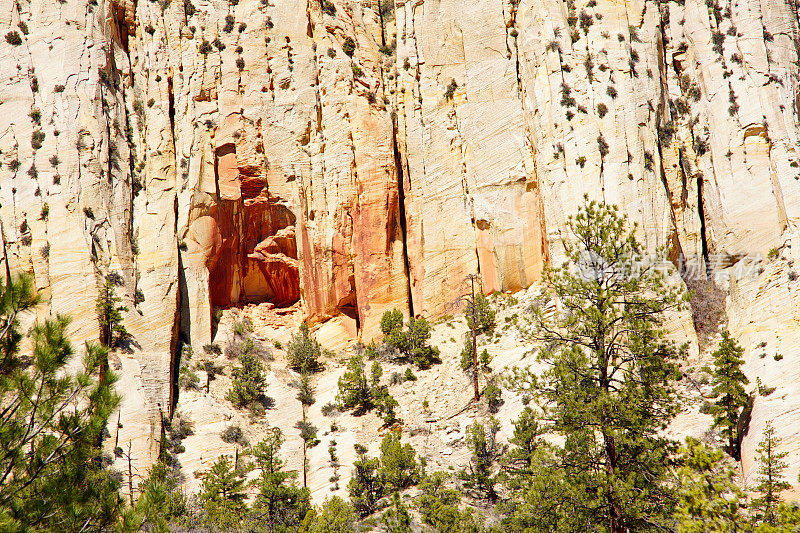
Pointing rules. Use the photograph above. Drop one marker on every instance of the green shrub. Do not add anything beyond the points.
(409, 375)
(248, 381)
(186, 378)
(354, 388)
(243, 327)
(493, 396)
(349, 46)
(412, 343)
(484, 315)
(467, 356)
(304, 352)
(234, 435)
(361, 394)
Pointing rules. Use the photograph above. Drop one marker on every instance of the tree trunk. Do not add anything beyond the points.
(130, 475)
(474, 344)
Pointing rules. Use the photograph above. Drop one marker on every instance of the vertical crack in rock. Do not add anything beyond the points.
(401, 195)
(702, 217)
(175, 344)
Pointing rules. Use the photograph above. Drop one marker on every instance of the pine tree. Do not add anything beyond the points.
(396, 519)
(354, 388)
(282, 504)
(223, 494)
(412, 343)
(304, 352)
(729, 382)
(399, 468)
(437, 503)
(526, 442)
(439, 507)
(305, 391)
(609, 389)
(335, 516)
(109, 313)
(708, 498)
(249, 381)
(484, 314)
(161, 503)
(52, 422)
(481, 476)
(365, 487)
(770, 477)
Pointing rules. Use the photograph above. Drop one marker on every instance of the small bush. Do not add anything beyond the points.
(349, 46)
(329, 409)
(357, 72)
(328, 8)
(708, 306)
(205, 47)
(235, 349)
(331, 53)
(45, 211)
(412, 342)
(611, 91)
(602, 110)
(229, 22)
(248, 381)
(189, 8)
(88, 212)
(234, 435)
(493, 396)
(37, 138)
(409, 375)
(13, 38)
(243, 327)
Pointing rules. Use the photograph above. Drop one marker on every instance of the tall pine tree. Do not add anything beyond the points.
(771, 482)
(729, 382)
(609, 387)
(52, 474)
(280, 502)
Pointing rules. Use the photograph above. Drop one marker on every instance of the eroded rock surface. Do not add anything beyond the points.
(220, 154)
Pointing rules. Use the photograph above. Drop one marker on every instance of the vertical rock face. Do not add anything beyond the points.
(360, 156)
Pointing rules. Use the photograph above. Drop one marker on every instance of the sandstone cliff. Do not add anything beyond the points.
(369, 155)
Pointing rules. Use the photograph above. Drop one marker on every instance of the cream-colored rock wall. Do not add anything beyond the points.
(217, 153)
